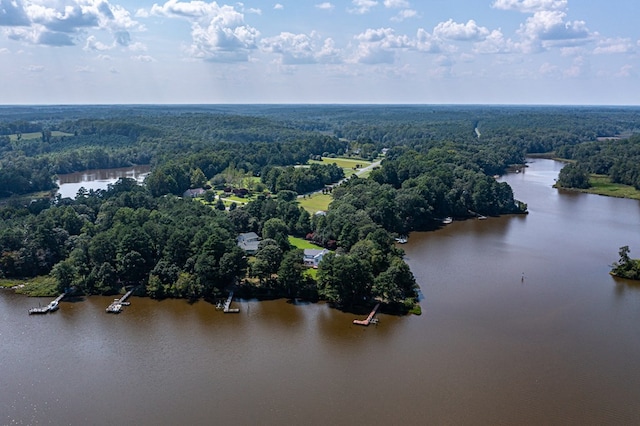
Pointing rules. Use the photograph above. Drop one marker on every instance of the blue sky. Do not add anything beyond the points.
(341, 51)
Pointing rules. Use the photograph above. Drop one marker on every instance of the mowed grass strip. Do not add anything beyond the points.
(301, 243)
(345, 163)
(316, 202)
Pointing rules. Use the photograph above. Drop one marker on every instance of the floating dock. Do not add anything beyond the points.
(52, 306)
(370, 319)
(116, 306)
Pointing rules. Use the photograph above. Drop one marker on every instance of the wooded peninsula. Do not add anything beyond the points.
(322, 193)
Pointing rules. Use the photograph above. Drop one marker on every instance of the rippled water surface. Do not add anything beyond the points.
(521, 324)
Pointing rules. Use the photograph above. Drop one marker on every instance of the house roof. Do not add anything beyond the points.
(314, 252)
(248, 236)
(193, 192)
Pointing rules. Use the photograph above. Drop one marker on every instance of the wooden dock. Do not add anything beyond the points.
(116, 306)
(51, 307)
(226, 306)
(370, 319)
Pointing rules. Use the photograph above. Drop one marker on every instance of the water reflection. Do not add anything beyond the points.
(560, 347)
(70, 183)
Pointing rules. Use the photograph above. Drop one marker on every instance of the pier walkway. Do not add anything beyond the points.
(226, 306)
(52, 306)
(116, 306)
(370, 319)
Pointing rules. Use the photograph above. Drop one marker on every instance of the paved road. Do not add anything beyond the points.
(359, 172)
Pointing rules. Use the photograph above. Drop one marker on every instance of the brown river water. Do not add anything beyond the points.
(521, 324)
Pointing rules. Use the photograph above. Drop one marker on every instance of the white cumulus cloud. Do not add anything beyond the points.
(460, 32)
(396, 4)
(378, 46)
(325, 6)
(614, 45)
(64, 22)
(405, 14)
(495, 42)
(218, 33)
(361, 7)
(549, 29)
(530, 6)
(296, 49)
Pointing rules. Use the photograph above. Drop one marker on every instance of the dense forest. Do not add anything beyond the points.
(619, 159)
(436, 162)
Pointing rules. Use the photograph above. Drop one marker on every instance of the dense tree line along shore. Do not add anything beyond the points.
(434, 164)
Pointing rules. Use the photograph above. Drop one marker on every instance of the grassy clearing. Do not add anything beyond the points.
(301, 243)
(43, 286)
(315, 202)
(602, 185)
(236, 199)
(365, 174)
(347, 164)
(37, 135)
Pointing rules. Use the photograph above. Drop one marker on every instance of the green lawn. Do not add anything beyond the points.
(345, 163)
(602, 185)
(301, 243)
(38, 286)
(316, 202)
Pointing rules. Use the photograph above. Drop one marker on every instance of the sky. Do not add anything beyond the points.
(550, 52)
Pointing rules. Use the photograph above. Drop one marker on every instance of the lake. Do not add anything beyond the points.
(521, 324)
(70, 183)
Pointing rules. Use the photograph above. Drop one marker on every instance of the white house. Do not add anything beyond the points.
(313, 257)
(249, 242)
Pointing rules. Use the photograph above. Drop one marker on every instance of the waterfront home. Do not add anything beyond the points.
(313, 257)
(192, 193)
(249, 242)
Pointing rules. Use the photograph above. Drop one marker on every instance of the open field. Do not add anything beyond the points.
(316, 202)
(301, 243)
(602, 185)
(37, 135)
(38, 287)
(234, 198)
(347, 164)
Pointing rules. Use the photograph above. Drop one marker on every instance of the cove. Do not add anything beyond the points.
(557, 347)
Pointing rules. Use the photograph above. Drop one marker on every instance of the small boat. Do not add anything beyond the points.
(447, 220)
(53, 306)
(482, 217)
(401, 240)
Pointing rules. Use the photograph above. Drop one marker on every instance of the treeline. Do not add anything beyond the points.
(24, 175)
(419, 202)
(105, 240)
(301, 179)
(435, 166)
(618, 159)
(174, 247)
(250, 138)
(18, 127)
